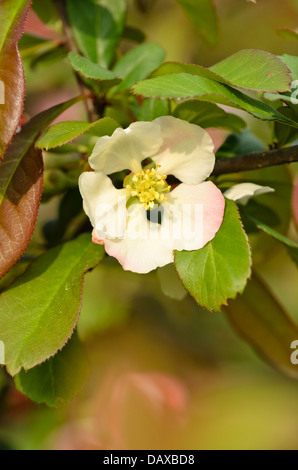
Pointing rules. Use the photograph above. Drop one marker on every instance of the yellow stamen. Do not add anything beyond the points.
(148, 186)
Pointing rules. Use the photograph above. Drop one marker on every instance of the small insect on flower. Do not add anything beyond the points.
(144, 222)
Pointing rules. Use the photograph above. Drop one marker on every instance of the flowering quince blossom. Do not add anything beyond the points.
(144, 222)
(243, 192)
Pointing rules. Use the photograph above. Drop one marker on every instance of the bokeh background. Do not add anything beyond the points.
(164, 374)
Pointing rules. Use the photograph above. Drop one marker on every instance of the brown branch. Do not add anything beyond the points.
(255, 161)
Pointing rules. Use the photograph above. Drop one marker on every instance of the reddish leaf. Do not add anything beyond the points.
(21, 184)
(19, 208)
(13, 15)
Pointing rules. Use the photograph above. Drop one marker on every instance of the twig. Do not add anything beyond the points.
(255, 161)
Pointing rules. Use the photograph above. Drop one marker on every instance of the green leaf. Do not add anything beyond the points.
(184, 85)
(280, 179)
(170, 283)
(97, 26)
(254, 70)
(286, 97)
(292, 64)
(288, 34)
(153, 108)
(198, 112)
(137, 64)
(59, 379)
(11, 14)
(263, 322)
(12, 84)
(271, 232)
(133, 34)
(22, 168)
(291, 246)
(18, 269)
(276, 177)
(40, 310)
(30, 44)
(36, 50)
(284, 134)
(208, 115)
(170, 68)
(63, 132)
(218, 271)
(261, 212)
(250, 69)
(203, 15)
(231, 122)
(28, 135)
(92, 71)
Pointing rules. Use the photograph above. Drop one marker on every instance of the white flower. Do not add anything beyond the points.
(184, 218)
(243, 192)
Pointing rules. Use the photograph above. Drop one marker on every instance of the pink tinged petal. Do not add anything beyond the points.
(186, 152)
(126, 148)
(218, 137)
(243, 192)
(103, 203)
(95, 238)
(144, 247)
(202, 208)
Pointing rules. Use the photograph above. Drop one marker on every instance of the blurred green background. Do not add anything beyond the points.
(165, 374)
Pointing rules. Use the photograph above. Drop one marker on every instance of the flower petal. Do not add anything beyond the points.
(186, 152)
(104, 204)
(243, 192)
(202, 208)
(95, 238)
(144, 248)
(126, 148)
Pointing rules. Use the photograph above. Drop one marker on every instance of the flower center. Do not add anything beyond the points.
(148, 186)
